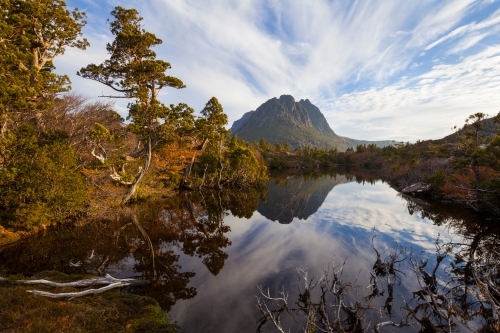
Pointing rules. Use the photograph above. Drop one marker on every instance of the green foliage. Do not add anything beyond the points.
(40, 184)
(32, 34)
(212, 122)
(235, 166)
(133, 70)
(477, 151)
(243, 167)
(437, 181)
(100, 132)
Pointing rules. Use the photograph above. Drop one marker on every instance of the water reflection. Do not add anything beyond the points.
(297, 197)
(211, 249)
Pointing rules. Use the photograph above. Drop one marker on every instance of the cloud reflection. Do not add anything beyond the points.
(267, 253)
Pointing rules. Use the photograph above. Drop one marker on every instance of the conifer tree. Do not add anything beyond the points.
(208, 128)
(133, 71)
(32, 34)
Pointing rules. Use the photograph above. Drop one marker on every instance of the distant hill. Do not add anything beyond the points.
(490, 128)
(299, 123)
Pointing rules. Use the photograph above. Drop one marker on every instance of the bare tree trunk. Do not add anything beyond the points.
(141, 174)
(187, 172)
(221, 166)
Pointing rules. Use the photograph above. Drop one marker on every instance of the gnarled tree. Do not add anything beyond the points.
(32, 34)
(133, 71)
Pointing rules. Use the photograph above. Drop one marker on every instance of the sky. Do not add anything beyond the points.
(378, 70)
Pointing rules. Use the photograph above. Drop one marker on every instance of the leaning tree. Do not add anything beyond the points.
(133, 71)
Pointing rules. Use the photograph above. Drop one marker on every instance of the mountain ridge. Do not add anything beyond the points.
(299, 123)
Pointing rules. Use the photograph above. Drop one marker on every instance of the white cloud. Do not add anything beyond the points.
(468, 42)
(353, 60)
(446, 94)
(473, 27)
(399, 33)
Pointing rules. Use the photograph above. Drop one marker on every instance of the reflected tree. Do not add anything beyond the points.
(444, 301)
(207, 239)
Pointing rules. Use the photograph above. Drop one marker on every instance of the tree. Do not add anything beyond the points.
(32, 34)
(209, 128)
(40, 182)
(133, 71)
(478, 152)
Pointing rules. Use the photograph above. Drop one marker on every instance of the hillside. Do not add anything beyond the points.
(299, 123)
(488, 130)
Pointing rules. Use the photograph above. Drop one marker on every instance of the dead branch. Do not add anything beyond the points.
(109, 282)
(101, 157)
(390, 323)
(79, 293)
(115, 176)
(108, 279)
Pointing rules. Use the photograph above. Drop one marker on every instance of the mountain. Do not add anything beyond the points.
(299, 123)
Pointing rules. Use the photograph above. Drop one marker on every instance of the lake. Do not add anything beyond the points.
(212, 250)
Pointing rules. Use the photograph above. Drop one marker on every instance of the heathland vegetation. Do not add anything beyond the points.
(64, 155)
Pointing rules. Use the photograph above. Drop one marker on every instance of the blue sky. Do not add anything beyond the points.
(385, 69)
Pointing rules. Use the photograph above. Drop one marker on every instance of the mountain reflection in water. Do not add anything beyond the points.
(298, 197)
(211, 249)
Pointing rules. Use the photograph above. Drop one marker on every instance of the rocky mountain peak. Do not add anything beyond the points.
(283, 119)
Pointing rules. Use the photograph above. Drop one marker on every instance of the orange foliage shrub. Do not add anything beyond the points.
(168, 162)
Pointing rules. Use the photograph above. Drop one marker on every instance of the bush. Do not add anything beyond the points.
(40, 184)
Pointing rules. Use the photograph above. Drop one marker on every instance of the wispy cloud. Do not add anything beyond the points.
(355, 60)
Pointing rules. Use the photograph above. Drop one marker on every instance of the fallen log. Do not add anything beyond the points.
(108, 279)
(79, 293)
(109, 282)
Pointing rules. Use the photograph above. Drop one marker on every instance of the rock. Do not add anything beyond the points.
(417, 188)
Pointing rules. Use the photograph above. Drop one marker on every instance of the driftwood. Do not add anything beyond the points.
(109, 282)
(79, 293)
(108, 279)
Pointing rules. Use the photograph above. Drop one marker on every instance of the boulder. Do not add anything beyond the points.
(417, 188)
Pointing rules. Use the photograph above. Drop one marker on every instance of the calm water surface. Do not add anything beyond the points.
(212, 250)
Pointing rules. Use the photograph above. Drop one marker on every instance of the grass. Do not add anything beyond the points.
(113, 311)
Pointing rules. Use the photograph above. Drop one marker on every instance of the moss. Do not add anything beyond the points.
(113, 311)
